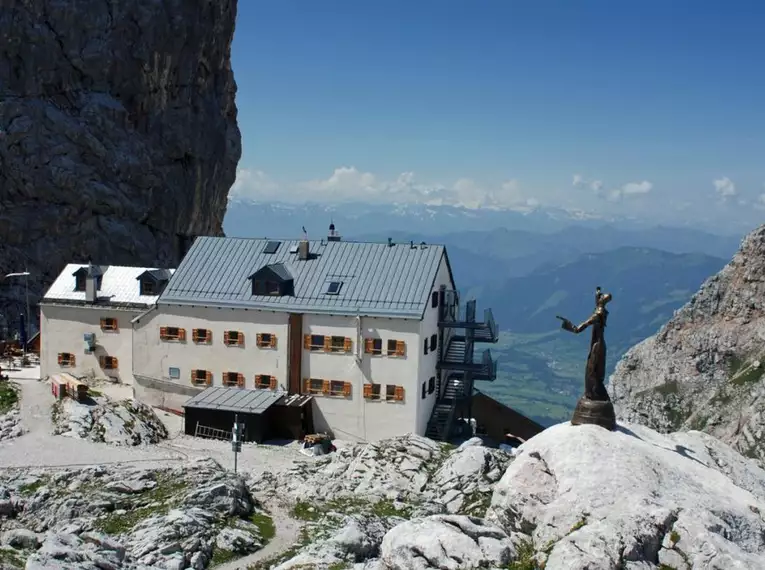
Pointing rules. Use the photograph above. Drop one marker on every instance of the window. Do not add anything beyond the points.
(373, 346)
(338, 388)
(433, 342)
(79, 282)
(424, 390)
(66, 359)
(314, 385)
(265, 382)
(174, 372)
(266, 288)
(232, 338)
(233, 379)
(109, 324)
(394, 393)
(201, 378)
(266, 340)
(431, 384)
(271, 247)
(201, 336)
(172, 333)
(319, 342)
(108, 362)
(333, 287)
(425, 347)
(339, 344)
(396, 348)
(434, 299)
(372, 391)
(147, 287)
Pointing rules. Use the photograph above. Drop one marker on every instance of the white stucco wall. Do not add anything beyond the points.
(355, 417)
(154, 357)
(62, 328)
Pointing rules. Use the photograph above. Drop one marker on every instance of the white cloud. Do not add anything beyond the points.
(630, 189)
(579, 181)
(725, 187)
(348, 184)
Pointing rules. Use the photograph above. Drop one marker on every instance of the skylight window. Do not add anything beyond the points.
(333, 287)
(294, 249)
(272, 246)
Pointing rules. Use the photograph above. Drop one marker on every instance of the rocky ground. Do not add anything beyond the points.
(10, 417)
(704, 369)
(124, 422)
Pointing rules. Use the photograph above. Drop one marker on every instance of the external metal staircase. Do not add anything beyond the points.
(457, 366)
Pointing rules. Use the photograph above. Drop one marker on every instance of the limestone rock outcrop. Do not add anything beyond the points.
(704, 369)
(118, 133)
(122, 422)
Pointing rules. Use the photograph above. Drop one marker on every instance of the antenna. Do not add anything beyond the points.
(305, 234)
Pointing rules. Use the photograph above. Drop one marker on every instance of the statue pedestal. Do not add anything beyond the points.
(598, 412)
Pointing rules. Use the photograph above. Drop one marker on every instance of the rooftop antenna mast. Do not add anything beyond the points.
(305, 234)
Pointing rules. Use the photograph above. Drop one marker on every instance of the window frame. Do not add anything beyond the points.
(109, 324)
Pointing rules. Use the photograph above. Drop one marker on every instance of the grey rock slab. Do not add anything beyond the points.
(589, 498)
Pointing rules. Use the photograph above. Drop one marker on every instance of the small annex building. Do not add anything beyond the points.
(266, 414)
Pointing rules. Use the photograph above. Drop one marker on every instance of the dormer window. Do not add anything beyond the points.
(153, 281)
(273, 280)
(81, 277)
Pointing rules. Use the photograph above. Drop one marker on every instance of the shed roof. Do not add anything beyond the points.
(235, 400)
(118, 286)
(377, 278)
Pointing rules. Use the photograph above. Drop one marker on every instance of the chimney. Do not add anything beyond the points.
(304, 252)
(333, 235)
(91, 283)
(390, 242)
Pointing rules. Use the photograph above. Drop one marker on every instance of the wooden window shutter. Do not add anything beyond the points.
(306, 385)
(226, 337)
(193, 376)
(272, 383)
(369, 345)
(325, 387)
(163, 332)
(273, 341)
(307, 341)
(60, 358)
(181, 334)
(102, 361)
(347, 389)
(208, 336)
(71, 360)
(348, 345)
(208, 378)
(259, 339)
(367, 390)
(327, 343)
(194, 335)
(240, 380)
(400, 348)
(103, 323)
(115, 362)
(399, 394)
(115, 325)
(240, 338)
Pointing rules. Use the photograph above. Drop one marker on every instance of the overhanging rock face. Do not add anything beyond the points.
(118, 132)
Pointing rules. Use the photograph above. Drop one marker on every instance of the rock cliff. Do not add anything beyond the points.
(118, 132)
(704, 369)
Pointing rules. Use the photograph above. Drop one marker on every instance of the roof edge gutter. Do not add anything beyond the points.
(142, 315)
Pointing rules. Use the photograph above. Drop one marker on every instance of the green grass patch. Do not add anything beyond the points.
(524, 559)
(10, 558)
(304, 538)
(668, 388)
(94, 393)
(156, 501)
(221, 556)
(338, 566)
(265, 524)
(742, 372)
(9, 396)
(29, 489)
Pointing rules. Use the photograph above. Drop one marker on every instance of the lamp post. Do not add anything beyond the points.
(24, 274)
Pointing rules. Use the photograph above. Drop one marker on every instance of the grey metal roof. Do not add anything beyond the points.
(378, 279)
(235, 400)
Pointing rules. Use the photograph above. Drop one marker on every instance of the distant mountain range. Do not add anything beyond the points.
(648, 285)
(253, 219)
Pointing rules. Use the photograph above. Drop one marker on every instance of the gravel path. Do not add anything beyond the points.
(39, 448)
(287, 533)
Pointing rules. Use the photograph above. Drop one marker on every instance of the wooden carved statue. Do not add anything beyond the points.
(595, 405)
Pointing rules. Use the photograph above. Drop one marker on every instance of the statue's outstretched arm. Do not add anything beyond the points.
(567, 325)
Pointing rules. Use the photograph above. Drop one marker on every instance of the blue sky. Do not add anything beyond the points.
(655, 107)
